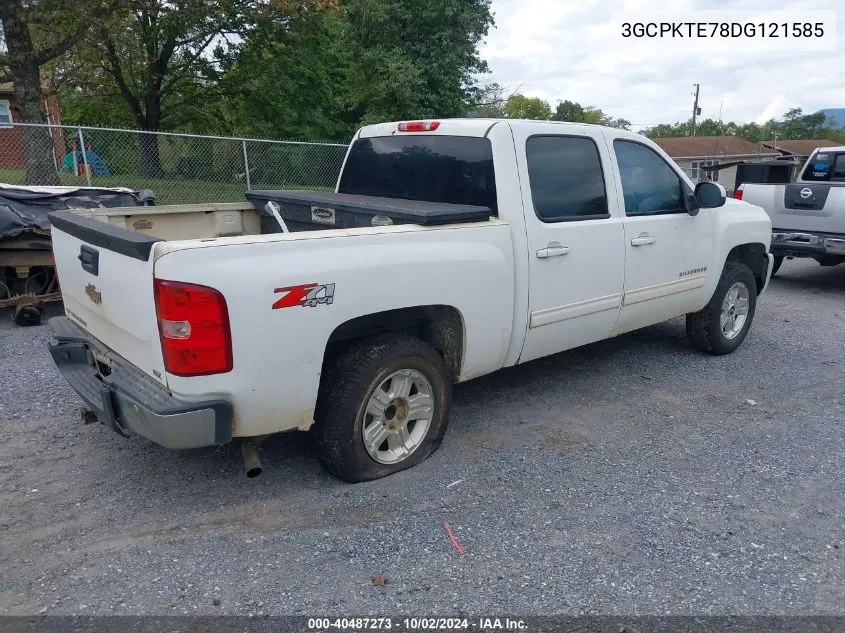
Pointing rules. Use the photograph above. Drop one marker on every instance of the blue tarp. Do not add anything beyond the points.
(97, 165)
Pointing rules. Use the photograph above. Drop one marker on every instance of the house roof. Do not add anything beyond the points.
(704, 146)
(801, 147)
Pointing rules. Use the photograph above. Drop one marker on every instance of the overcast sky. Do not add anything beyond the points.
(571, 49)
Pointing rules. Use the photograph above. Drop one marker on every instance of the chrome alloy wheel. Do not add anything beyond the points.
(734, 310)
(397, 417)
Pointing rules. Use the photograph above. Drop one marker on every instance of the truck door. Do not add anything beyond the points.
(668, 251)
(576, 252)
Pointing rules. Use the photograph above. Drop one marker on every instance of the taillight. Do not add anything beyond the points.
(738, 194)
(419, 126)
(193, 322)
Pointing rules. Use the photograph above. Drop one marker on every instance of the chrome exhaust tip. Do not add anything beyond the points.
(252, 459)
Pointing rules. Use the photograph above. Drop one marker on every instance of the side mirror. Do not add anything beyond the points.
(710, 195)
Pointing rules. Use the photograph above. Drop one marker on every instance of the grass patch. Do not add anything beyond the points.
(167, 190)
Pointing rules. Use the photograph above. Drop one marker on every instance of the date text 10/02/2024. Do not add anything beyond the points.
(416, 624)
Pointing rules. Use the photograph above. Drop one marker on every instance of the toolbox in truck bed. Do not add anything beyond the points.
(341, 210)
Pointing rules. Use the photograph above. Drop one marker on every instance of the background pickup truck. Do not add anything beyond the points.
(808, 216)
(449, 250)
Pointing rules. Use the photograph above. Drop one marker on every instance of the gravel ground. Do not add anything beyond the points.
(629, 477)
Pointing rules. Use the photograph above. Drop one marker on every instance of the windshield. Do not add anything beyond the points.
(450, 169)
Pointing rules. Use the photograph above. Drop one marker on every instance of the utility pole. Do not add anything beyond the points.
(695, 109)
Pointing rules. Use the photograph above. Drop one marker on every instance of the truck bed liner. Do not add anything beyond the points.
(345, 210)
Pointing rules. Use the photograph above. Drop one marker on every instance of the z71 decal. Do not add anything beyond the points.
(308, 295)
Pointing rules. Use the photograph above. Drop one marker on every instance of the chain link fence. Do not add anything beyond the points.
(178, 168)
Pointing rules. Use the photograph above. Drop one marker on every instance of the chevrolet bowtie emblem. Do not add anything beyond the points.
(93, 293)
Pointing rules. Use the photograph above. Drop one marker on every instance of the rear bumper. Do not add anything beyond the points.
(786, 243)
(129, 401)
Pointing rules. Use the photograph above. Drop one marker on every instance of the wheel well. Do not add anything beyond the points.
(755, 257)
(440, 326)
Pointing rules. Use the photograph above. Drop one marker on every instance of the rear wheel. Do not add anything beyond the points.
(383, 407)
(723, 324)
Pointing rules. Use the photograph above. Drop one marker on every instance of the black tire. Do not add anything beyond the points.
(703, 327)
(27, 315)
(348, 384)
(778, 262)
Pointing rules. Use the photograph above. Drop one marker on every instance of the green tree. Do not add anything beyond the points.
(669, 130)
(164, 58)
(798, 125)
(568, 111)
(289, 82)
(150, 51)
(755, 132)
(622, 124)
(519, 106)
(593, 116)
(322, 74)
(36, 33)
(794, 124)
(413, 58)
(576, 113)
(488, 101)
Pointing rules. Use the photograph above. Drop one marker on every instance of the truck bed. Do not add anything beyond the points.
(183, 221)
(300, 211)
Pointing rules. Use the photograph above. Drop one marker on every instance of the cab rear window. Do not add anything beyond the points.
(450, 169)
(826, 167)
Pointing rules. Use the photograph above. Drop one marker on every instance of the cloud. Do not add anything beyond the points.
(772, 111)
(565, 50)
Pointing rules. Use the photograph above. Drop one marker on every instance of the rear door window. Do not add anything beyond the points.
(838, 168)
(566, 178)
(449, 169)
(824, 167)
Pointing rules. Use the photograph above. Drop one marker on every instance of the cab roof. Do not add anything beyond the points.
(460, 127)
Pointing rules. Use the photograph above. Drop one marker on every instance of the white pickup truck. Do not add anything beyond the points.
(450, 249)
(808, 215)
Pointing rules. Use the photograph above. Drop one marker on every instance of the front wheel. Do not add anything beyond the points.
(723, 324)
(383, 407)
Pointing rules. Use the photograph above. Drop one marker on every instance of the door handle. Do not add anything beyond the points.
(643, 239)
(552, 250)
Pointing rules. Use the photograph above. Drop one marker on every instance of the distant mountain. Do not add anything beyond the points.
(837, 114)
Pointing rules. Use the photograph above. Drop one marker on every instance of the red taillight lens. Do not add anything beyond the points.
(738, 194)
(193, 322)
(419, 126)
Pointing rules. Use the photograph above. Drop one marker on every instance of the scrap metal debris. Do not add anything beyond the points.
(452, 538)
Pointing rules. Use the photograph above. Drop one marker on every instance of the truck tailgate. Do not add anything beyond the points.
(106, 279)
(807, 207)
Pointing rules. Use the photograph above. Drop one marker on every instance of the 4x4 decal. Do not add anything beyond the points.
(308, 295)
